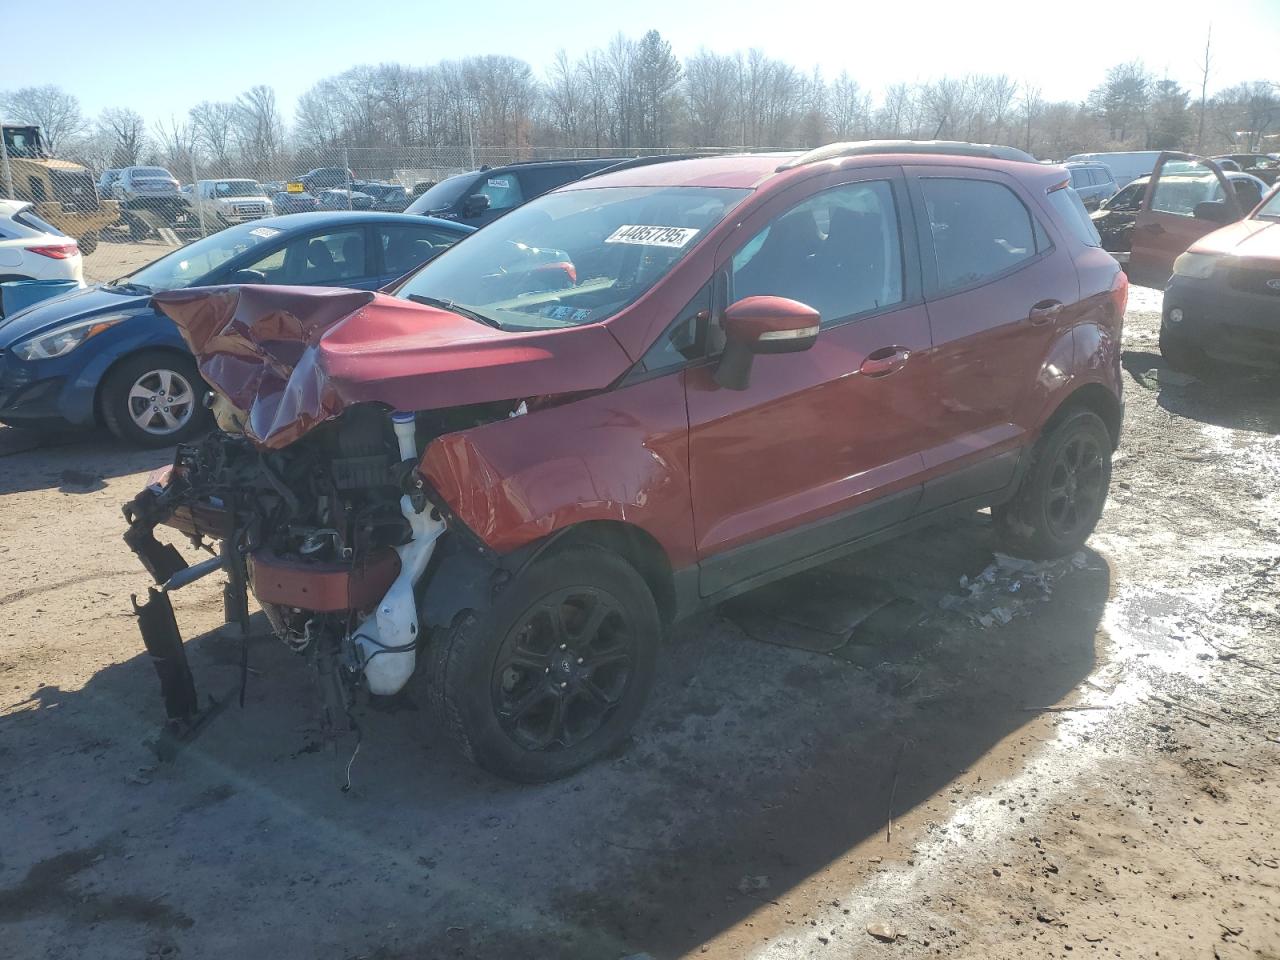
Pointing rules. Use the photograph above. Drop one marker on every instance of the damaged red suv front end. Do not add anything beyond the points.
(628, 400)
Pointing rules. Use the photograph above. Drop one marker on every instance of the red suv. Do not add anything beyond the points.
(632, 398)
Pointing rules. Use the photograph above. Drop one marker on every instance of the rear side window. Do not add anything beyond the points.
(29, 219)
(1071, 213)
(404, 246)
(1079, 177)
(542, 179)
(980, 230)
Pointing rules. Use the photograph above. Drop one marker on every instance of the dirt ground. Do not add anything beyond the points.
(1072, 760)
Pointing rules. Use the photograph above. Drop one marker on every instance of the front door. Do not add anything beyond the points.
(822, 446)
(1167, 224)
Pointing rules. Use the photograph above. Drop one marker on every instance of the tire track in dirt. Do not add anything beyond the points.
(16, 595)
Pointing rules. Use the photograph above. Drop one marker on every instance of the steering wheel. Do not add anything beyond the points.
(247, 276)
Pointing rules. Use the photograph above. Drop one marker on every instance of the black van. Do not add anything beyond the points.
(484, 195)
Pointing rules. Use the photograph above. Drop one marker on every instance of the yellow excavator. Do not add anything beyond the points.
(63, 193)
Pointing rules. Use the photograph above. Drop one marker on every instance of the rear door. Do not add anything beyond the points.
(999, 287)
(1167, 224)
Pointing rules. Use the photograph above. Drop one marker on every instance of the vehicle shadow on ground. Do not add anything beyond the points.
(69, 460)
(1234, 398)
(755, 767)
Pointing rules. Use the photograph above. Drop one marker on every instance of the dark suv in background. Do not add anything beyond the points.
(483, 195)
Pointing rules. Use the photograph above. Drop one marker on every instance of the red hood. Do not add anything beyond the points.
(1255, 239)
(293, 357)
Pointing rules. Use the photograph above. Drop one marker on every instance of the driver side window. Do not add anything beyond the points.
(503, 191)
(839, 251)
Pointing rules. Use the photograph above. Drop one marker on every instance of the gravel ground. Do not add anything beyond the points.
(1077, 759)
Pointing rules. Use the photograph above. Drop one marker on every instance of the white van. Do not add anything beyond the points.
(1125, 165)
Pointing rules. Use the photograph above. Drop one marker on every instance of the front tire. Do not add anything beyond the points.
(154, 399)
(554, 674)
(1061, 497)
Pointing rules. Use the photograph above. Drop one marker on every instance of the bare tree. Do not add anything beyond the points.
(51, 108)
(1205, 64)
(128, 131)
(1030, 106)
(258, 130)
(848, 108)
(212, 126)
(177, 145)
(710, 87)
(565, 98)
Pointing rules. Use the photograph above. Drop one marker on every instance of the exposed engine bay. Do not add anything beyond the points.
(331, 534)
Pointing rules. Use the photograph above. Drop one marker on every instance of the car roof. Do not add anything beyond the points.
(296, 221)
(9, 207)
(755, 170)
(740, 170)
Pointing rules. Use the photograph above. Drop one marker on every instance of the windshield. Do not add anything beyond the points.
(1271, 209)
(443, 194)
(189, 265)
(237, 188)
(148, 172)
(572, 258)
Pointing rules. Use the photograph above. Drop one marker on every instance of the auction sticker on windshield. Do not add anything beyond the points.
(652, 236)
(265, 232)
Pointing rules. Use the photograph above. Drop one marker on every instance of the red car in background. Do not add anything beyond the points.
(1223, 302)
(632, 398)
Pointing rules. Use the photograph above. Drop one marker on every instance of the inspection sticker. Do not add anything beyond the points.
(265, 232)
(652, 236)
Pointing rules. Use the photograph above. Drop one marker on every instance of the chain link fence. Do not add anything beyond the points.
(123, 218)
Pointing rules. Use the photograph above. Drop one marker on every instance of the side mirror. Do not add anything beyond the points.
(475, 205)
(1215, 211)
(762, 325)
(246, 276)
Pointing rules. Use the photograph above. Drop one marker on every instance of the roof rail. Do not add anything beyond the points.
(860, 148)
(523, 163)
(630, 162)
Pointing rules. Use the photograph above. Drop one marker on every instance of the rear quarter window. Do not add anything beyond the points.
(1070, 211)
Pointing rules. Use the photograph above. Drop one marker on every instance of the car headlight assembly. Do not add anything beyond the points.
(62, 340)
(1195, 266)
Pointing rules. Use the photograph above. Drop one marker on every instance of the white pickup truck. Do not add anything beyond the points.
(224, 202)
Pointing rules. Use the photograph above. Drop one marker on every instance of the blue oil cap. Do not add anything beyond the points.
(401, 416)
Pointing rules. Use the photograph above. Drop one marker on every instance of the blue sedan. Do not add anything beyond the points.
(104, 355)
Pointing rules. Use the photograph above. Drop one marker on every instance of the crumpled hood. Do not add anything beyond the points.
(290, 358)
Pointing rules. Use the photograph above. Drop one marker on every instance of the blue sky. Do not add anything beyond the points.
(165, 57)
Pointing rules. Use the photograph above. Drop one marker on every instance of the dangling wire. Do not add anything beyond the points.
(354, 753)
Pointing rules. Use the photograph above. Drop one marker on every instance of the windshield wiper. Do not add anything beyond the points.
(120, 283)
(455, 308)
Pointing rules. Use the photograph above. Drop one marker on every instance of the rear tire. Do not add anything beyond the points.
(154, 399)
(554, 674)
(1062, 494)
(88, 242)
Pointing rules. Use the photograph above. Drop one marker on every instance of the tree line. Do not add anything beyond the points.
(636, 95)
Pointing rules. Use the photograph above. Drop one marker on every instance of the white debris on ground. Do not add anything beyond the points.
(1009, 587)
